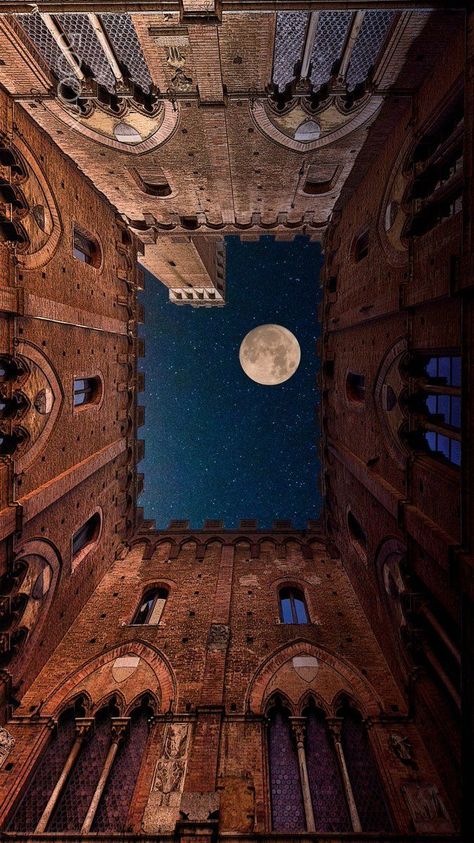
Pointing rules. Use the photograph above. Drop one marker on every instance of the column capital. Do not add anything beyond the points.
(335, 726)
(119, 726)
(83, 726)
(298, 725)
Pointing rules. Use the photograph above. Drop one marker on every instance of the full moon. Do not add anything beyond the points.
(270, 354)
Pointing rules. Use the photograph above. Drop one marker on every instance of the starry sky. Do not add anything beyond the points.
(218, 445)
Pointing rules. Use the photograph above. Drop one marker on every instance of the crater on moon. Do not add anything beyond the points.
(270, 354)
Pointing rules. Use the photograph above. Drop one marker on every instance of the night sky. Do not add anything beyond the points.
(218, 445)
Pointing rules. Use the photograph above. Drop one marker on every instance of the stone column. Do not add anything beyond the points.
(83, 725)
(119, 725)
(299, 727)
(335, 724)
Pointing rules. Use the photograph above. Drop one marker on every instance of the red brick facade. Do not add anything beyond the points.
(147, 677)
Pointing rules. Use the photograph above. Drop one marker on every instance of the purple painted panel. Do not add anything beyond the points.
(44, 777)
(115, 803)
(287, 799)
(364, 776)
(72, 806)
(329, 803)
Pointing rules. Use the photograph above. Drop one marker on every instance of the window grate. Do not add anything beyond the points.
(127, 48)
(366, 49)
(328, 44)
(289, 40)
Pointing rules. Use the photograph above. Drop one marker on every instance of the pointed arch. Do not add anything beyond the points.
(153, 657)
(341, 671)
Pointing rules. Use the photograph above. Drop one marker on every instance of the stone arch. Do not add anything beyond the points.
(315, 667)
(39, 582)
(45, 395)
(167, 123)
(157, 672)
(214, 540)
(318, 700)
(280, 697)
(270, 125)
(43, 234)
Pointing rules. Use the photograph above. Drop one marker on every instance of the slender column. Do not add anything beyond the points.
(83, 724)
(299, 727)
(335, 724)
(119, 724)
(61, 40)
(104, 42)
(308, 46)
(354, 29)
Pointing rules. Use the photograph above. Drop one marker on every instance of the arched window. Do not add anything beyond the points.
(433, 401)
(85, 247)
(357, 532)
(71, 808)
(286, 797)
(151, 607)
(117, 796)
(436, 187)
(104, 757)
(363, 773)
(40, 785)
(360, 246)
(355, 387)
(10, 442)
(327, 792)
(86, 535)
(87, 391)
(292, 606)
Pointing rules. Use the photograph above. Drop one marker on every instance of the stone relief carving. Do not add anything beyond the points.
(177, 60)
(426, 806)
(7, 742)
(218, 636)
(401, 747)
(162, 809)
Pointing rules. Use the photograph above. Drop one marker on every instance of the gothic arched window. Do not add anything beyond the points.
(292, 606)
(433, 402)
(327, 792)
(116, 799)
(87, 391)
(29, 810)
(286, 797)
(87, 534)
(71, 808)
(151, 607)
(363, 773)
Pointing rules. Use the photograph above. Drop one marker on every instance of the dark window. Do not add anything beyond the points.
(355, 387)
(292, 606)
(87, 534)
(73, 803)
(85, 247)
(87, 391)
(363, 773)
(360, 249)
(151, 607)
(356, 531)
(327, 793)
(286, 798)
(442, 406)
(44, 776)
(117, 797)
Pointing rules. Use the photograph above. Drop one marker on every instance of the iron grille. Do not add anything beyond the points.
(127, 47)
(45, 44)
(289, 41)
(328, 44)
(85, 44)
(367, 46)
